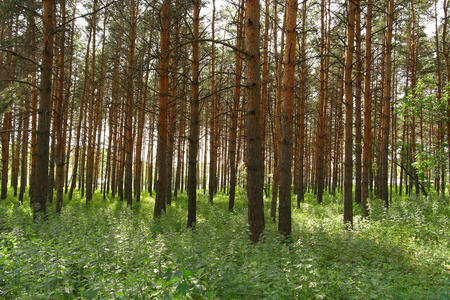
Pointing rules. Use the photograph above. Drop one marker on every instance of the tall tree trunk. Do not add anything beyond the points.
(277, 112)
(140, 132)
(91, 113)
(34, 101)
(358, 90)
(5, 153)
(445, 52)
(287, 114)
(302, 142)
(322, 104)
(160, 201)
(255, 172)
(214, 117)
(7, 126)
(181, 133)
(129, 107)
(366, 161)
(61, 109)
(265, 82)
(234, 114)
(82, 113)
(348, 91)
(386, 109)
(441, 169)
(413, 68)
(172, 110)
(44, 111)
(194, 135)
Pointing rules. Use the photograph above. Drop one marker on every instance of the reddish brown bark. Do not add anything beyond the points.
(5, 153)
(287, 114)
(43, 133)
(255, 172)
(160, 200)
(366, 159)
(358, 94)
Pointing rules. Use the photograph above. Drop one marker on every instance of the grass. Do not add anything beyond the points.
(106, 251)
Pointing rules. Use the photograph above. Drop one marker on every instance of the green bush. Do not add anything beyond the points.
(105, 250)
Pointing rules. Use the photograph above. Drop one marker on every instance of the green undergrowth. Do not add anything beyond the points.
(104, 250)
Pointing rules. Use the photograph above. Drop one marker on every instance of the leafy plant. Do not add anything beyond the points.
(106, 250)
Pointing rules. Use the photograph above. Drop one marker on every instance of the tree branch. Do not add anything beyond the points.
(20, 56)
(412, 177)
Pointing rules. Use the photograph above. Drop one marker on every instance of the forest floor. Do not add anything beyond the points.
(106, 251)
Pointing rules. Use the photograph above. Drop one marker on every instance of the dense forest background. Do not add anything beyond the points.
(329, 97)
(239, 149)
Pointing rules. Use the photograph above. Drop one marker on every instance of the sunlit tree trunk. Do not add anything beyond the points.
(255, 172)
(287, 114)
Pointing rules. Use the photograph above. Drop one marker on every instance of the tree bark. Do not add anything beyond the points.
(386, 109)
(234, 114)
(348, 91)
(287, 114)
(194, 135)
(366, 159)
(61, 108)
(253, 135)
(322, 104)
(214, 117)
(302, 142)
(358, 91)
(160, 200)
(129, 107)
(44, 112)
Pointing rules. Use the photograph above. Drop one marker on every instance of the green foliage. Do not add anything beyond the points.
(106, 251)
(422, 102)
